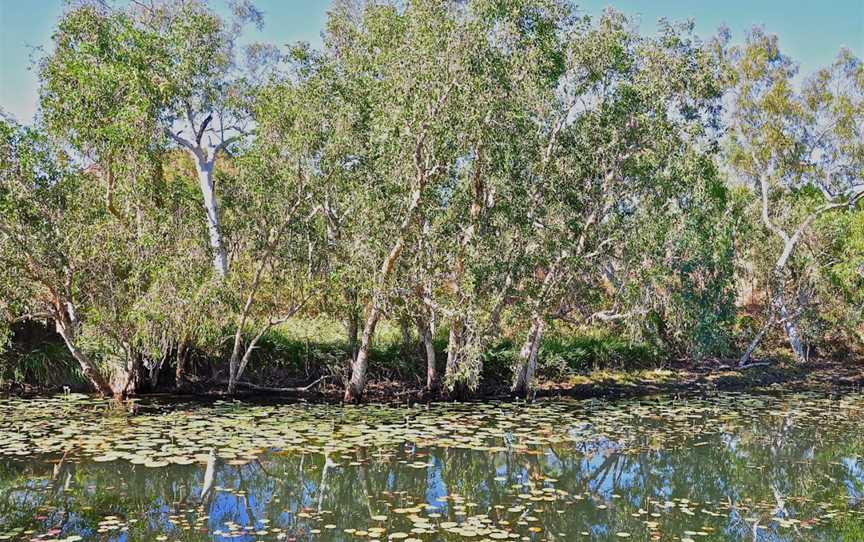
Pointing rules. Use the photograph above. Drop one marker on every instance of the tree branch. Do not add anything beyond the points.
(183, 142)
(203, 127)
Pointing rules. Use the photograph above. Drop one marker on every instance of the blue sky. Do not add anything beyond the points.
(811, 32)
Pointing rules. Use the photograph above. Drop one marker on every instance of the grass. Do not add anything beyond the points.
(639, 377)
(46, 363)
(309, 348)
(302, 350)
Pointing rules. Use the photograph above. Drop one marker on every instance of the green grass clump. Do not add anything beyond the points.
(563, 355)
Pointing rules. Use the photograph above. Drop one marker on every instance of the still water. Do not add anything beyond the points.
(718, 467)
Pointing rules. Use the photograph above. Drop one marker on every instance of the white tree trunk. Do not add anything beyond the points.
(790, 325)
(788, 320)
(745, 357)
(234, 362)
(424, 331)
(360, 366)
(528, 357)
(205, 168)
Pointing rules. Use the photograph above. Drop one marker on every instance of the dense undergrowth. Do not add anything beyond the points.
(304, 350)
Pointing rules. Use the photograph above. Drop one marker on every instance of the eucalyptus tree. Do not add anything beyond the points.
(411, 61)
(420, 279)
(627, 133)
(123, 80)
(335, 112)
(276, 224)
(802, 148)
(37, 281)
(438, 83)
(70, 263)
(411, 71)
(487, 212)
(275, 270)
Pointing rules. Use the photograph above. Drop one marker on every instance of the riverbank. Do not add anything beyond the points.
(825, 376)
(308, 360)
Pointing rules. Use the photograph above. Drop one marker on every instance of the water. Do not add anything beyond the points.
(723, 467)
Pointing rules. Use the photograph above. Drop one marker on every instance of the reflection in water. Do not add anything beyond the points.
(728, 468)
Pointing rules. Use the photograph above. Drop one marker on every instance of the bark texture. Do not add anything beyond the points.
(528, 358)
(205, 169)
(424, 331)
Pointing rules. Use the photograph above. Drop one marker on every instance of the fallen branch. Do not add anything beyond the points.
(255, 387)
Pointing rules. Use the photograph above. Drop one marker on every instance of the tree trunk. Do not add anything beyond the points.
(354, 390)
(88, 369)
(454, 344)
(353, 330)
(745, 357)
(247, 354)
(528, 358)
(405, 328)
(129, 382)
(790, 325)
(456, 381)
(789, 321)
(205, 169)
(180, 372)
(235, 365)
(234, 361)
(359, 367)
(424, 330)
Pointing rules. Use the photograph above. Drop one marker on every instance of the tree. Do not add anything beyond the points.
(408, 72)
(33, 198)
(121, 81)
(626, 141)
(491, 206)
(794, 145)
(279, 251)
(71, 263)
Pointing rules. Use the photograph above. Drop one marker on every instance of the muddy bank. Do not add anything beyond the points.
(818, 375)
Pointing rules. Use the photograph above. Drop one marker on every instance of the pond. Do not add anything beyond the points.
(725, 466)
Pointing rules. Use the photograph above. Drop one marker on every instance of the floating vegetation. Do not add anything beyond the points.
(714, 468)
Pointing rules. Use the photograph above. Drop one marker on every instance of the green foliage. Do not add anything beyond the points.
(838, 280)
(46, 365)
(562, 356)
(800, 146)
(565, 354)
(485, 169)
(686, 292)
